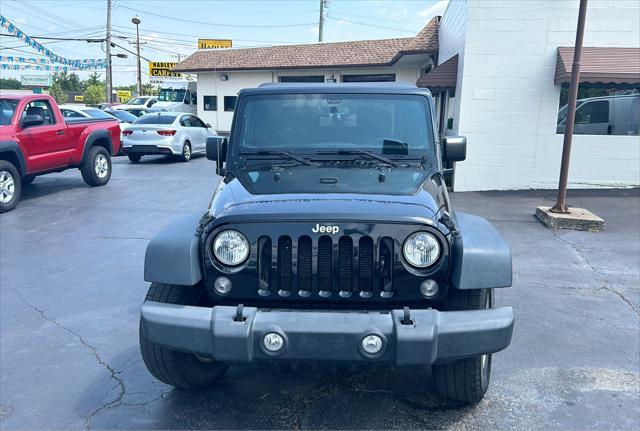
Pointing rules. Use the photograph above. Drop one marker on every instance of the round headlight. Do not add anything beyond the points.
(231, 247)
(421, 249)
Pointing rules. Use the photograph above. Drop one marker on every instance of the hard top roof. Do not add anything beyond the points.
(337, 88)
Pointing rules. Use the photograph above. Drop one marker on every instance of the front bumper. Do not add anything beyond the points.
(431, 337)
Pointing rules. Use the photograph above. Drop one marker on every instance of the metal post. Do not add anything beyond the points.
(561, 204)
(108, 40)
(321, 23)
(137, 22)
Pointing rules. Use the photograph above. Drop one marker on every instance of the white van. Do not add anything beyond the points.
(178, 96)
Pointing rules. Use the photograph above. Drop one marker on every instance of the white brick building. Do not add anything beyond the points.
(506, 102)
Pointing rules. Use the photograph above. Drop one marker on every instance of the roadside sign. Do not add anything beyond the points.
(214, 43)
(123, 95)
(162, 69)
(78, 98)
(35, 80)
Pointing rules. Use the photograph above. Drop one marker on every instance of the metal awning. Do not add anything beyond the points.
(443, 76)
(600, 65)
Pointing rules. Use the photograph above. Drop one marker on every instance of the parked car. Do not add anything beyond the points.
(606, 115)
(330, 238)
(139, 112)
(168, 133)
(138, 102)
(36, 139)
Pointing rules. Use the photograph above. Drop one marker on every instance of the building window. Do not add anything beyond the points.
(311, 78)
(387, 77)
(210, 103)
(230, 103)
(602, 109)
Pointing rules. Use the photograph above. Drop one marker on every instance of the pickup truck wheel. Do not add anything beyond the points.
(186, 152)
(465, 380)
(26, 180)
(179, 369)
(135, 158)
(10, 186)
(96, 169)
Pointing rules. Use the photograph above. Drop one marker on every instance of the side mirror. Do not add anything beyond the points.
(207, 125)
(32, 120)
(454, 148)
(217, 149)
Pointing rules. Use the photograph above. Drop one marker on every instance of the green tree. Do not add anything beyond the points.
(94, 95)
(150, 89)
(94, 79)
(10, 84)
(68, 81)
(57, 93)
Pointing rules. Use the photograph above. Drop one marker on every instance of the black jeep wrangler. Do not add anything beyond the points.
(329, 238)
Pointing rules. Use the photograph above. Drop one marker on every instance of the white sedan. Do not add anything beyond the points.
(168, 133)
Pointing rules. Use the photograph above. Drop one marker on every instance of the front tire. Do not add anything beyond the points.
(135, 158)
(96, 169)
(465, 380)
(10, 186)
(186, 152)
(179, 369)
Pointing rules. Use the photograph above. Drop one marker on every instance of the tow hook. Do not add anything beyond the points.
(239, 317)
(406, 320)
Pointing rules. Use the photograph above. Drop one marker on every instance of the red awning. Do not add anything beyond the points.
(443, 76)
(602, 65)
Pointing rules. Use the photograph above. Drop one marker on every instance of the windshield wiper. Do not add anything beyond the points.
(361, 152)
(286, 154)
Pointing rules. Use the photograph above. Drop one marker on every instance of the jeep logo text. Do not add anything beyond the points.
(325, 229)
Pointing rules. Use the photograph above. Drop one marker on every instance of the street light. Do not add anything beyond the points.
(137, 22)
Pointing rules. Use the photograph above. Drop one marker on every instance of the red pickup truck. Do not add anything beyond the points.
(35, 139)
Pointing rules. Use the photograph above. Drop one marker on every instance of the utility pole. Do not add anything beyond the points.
(321, 22)
(561, 202)
(137, 22)
(109, 71)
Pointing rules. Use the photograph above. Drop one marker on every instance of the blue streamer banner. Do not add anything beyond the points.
(83, 64)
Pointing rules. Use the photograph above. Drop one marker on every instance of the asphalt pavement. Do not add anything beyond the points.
(71, 287)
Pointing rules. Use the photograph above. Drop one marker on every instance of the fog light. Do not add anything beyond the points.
(222, 285)
(273, 342)
(372, 344)
(429, 289)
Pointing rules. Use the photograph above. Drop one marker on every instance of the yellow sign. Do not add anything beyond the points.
(124, 95)
(214, 43)
(163, 69)
(78, 98)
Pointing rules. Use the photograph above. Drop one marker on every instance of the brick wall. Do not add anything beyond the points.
(507, 103)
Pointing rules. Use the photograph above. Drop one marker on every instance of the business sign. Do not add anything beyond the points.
(78, 98)
(162, 69)
(124, 95)
(35, 80)
(214, 43)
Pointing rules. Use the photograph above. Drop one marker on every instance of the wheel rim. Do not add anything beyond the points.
(186, 152)
(101, 166)
(7, 187)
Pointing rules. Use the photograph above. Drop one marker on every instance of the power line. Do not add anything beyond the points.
(371, 25)
(173, 18)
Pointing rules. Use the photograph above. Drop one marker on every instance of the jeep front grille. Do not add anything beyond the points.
(325, 266)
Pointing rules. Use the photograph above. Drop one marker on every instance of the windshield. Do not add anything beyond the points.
(7, 108)
(156, 119)
(310, 123)
(96, 113)
(137, 101)
(122, 115)
(170, 95)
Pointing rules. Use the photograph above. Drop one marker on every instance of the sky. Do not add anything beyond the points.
(170, 28)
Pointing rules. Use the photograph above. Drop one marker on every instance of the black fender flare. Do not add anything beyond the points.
(172, 256)
(12, 147)
(480, 257)
(91, 140)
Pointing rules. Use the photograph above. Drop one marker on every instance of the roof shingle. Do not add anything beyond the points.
(335, 54)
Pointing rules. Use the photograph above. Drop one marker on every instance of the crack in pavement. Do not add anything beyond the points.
(605, 286)
(113, 374)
